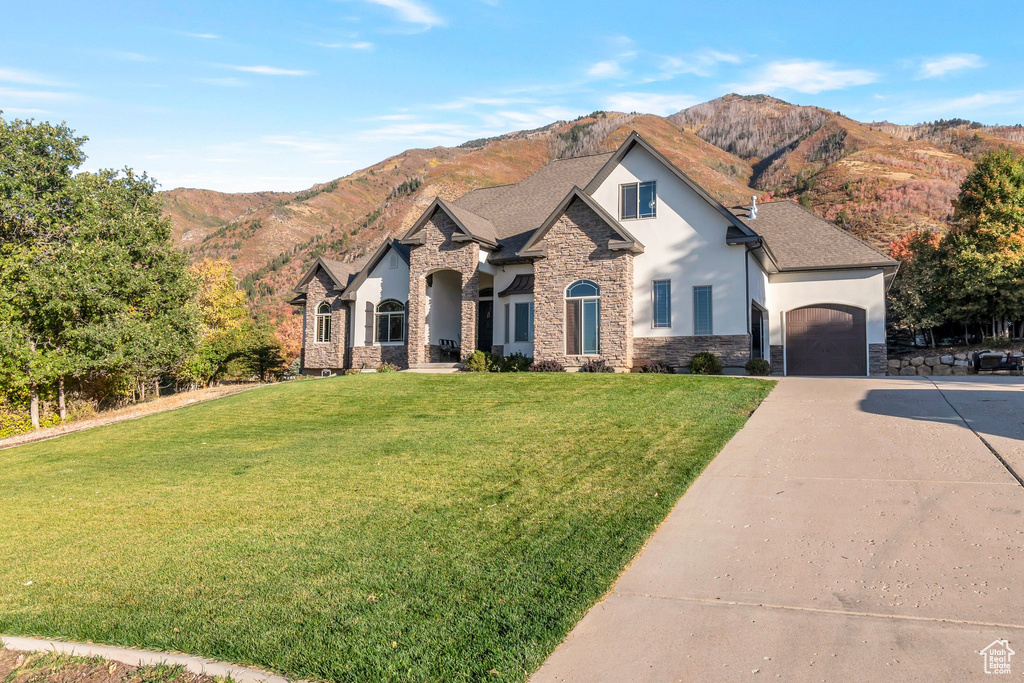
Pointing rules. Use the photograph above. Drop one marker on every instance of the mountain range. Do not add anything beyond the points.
(878, 180)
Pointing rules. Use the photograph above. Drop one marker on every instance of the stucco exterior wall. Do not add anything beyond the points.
(685, 243)
(384, 282)
(861, 288)
(502, 279)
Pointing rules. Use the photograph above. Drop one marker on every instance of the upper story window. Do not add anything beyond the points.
(393, 263)
(390, 321)
(638, 200)
(662, 303)
(702, 313)
(323, 323)
(582, 319)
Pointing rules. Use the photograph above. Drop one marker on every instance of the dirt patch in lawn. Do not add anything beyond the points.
(32, 667)
(157, 405)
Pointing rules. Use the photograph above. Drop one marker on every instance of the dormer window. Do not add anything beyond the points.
(638, 200)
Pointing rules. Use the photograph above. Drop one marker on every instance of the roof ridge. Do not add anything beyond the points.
(581, 156)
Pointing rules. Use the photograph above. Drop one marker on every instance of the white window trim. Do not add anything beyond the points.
(694, 299)
(638, 217)
(654, 309)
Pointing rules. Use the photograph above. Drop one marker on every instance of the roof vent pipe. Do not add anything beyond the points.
(753, 207)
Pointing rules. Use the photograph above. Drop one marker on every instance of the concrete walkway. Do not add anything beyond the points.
(854, 529)
(133, 657)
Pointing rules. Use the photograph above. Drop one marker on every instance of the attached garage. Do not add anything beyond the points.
(826, 340)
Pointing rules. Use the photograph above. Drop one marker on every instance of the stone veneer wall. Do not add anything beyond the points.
(317, 356)
(775, 357)
(372, 356)
(439, 252)
(577, 249)
(950, 364)
(878, 357)
(734, 349)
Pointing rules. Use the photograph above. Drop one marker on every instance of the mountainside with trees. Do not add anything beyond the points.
(879, 180)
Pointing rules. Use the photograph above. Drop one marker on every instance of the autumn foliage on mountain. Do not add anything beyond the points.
(881, 181)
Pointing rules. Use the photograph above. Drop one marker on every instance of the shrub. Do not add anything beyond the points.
(387, 367)
(515, 362)
(596, 365)
(759, 367)
(357, 371)
(705, 363)
(547, 366)
(656, 367)
(478, 361)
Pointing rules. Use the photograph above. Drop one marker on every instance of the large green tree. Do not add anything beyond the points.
(984, 251)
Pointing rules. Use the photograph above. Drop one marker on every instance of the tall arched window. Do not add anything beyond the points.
(390, 321)
(583, 319)
(323, 322)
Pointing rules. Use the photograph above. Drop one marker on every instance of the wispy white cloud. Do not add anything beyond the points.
(24, 77)
(202, 36)
(361, 45)
(126, 56)
(701, 63)
(412, 12)
(608, 68)
(269, 70)
(22, 110)
(393, 117)
(940, 66)
(39, 95)
(470, 102)
(227, 82)
(805, 76)
(649, 103)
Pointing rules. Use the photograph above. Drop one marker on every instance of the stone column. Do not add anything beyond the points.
(417, 312)
(470, 299)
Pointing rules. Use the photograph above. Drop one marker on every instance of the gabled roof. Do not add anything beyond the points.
(627, 241)
(340, 272)
(472, 226)
(796, 239)
(371, 263)
(635, 139)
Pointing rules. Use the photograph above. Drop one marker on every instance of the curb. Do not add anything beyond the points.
(196, 665)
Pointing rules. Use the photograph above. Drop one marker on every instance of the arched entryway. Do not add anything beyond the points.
(826, 340)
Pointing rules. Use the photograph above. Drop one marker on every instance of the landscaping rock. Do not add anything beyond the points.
(959, 370)
(908, 371)
(932, 361)
(904, 363)
(917, 362)
(924, 370)
(942, 370)
(947, 360)
(960, 356)
(961, 363)
(894, 363)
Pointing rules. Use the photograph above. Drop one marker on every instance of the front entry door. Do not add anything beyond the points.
(485, 325)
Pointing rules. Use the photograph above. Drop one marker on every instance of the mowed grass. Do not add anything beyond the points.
(357, 528)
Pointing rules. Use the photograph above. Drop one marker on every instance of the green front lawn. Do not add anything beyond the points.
(366, 527)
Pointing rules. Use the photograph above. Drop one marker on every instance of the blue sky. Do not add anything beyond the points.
(280, 95)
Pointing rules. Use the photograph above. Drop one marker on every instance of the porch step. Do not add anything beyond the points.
(435, 367)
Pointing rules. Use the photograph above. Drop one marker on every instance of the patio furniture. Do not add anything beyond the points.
(450, 348)
(997, 360)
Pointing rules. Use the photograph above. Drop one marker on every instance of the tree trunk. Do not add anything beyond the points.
(156, 388)
(61, 405)
(931, 332)
(967, 334)
(33, 406)
(142, 391)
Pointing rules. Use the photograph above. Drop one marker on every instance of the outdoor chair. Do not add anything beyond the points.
(450, 348)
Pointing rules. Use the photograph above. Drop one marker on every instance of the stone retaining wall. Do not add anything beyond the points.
(924, 366)
(734, 350)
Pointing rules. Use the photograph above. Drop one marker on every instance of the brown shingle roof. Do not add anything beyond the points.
(517, 210)
(799, 240)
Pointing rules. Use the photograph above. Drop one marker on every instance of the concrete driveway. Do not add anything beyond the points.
(855, 529)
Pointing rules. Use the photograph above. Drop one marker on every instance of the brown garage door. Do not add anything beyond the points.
(826, 339)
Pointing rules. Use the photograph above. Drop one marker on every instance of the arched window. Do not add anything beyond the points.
(583, 319)
(390, 321)
(323, 323)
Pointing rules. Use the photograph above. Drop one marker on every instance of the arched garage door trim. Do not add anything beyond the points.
(826, 339)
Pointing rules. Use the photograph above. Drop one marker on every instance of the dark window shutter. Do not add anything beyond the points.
(405, 337)
(572, 327)
(369, 323)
